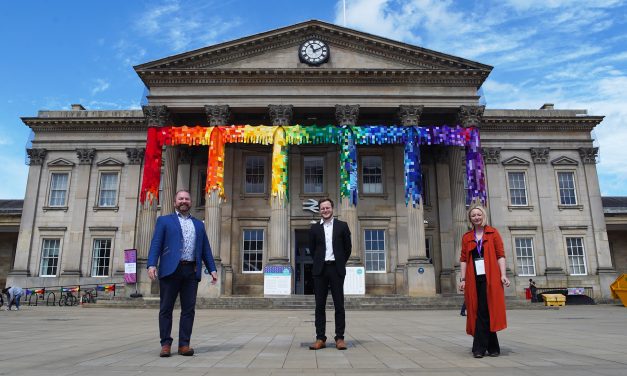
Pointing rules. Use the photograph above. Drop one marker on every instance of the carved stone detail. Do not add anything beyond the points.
(540, 155)
(85, 156)
(218, 114)
(280, 114)
(470, 116)
(135, 155)
(589, 155)
(156, 116)
(491, 155)
(36, 156)
(410, 115)
(346, 114)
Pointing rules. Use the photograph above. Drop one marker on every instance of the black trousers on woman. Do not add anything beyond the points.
(484, 339)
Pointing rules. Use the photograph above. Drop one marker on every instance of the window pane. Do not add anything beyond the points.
(58, 189)
(372, 174)
(253, 250)
(49, 257)
(255, 174)
(517, 188)
(313, 174)
(576, 257)
(375, 250)
(524, 256)
(566, 182)
(108, 189)
(101, 256)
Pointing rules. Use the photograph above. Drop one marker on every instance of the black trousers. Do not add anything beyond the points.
(329, 277)
(484, 339)
(181, 283)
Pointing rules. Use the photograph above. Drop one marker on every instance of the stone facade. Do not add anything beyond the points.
(543, 192)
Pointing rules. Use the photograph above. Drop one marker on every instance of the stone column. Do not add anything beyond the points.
(135, 157)
(183, 172)
(156, 116)
(605, 270)
(24, 250)
(445, 220)
(74, 249)
(346, 115)
(468, 116)
(170, 172)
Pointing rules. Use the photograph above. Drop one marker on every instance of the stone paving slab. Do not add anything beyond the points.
(574, 340)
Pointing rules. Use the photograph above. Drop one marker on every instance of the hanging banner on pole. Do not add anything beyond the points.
(130, 265)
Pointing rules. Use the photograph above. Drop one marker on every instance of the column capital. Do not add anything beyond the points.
(135, 155)
(491, 155)
(346, 114)
(218, 114)
(470, 116)
(36, 156)
(156, 116)
(589, 155)
(410, 115)
(280, 114)
(539, 155)
(85, 156)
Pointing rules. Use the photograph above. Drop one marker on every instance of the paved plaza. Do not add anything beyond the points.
(573, 340)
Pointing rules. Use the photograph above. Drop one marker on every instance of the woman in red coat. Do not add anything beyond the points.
(482, 264)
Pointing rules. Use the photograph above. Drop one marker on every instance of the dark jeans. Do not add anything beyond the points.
(329, 276)
(181, 283)
(484, 339)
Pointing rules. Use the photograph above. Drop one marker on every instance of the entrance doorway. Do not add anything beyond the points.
(304, 264)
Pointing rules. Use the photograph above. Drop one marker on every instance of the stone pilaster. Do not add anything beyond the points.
(539, 155)
(217, 114)
(135, 155)
(589, 155)
(280, 114)
(410, 115)
(24, 250)
(491, 155)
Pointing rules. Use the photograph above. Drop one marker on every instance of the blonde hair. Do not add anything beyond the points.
(483, 211)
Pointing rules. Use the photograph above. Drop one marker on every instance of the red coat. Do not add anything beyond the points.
(492, 250)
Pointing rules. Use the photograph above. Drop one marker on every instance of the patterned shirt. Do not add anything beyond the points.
(189, 236)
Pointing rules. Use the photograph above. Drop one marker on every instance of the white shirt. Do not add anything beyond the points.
(328, 239)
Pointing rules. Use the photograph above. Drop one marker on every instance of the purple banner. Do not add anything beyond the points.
(130, 265)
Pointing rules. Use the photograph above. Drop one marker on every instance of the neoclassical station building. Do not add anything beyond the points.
(260, 128)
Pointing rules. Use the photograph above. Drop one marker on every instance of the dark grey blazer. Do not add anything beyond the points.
(341, 246)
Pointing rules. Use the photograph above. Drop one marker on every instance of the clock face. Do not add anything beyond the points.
(314, 52)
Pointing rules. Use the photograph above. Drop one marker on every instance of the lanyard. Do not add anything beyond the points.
(479, 244)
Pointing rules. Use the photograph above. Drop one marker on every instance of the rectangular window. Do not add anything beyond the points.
(517, 188)
(108, 195)
(428, 249)
(255, 174)
(101, 258)
(566, 182)
(49, 257)
(372, 174)
(58, 189)
(524, 256)
(375, 250)
(253, 250)
(576, 257)
(202, 186)
(313, 174)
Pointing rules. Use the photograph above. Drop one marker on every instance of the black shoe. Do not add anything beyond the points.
(462, 314)
(477, 355)
(494, 354)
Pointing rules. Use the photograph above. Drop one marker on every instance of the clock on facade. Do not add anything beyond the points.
(314, 52)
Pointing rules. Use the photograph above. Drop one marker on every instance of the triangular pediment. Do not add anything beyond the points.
(564, 161)
(61, 162)
(278, 49)
(515, 161)
(110, 162)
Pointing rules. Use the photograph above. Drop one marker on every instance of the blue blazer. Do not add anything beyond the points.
(167, 245)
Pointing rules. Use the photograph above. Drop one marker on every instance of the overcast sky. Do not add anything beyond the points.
(567, 52)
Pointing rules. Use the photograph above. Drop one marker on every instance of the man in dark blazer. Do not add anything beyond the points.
(330, 242)
(179, 245)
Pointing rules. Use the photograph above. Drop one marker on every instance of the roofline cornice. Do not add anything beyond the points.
(85, 124)
(524, 124)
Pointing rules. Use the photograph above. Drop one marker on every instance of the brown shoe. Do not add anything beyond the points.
(319, 344)
(165, 351)
(340, 344)
(186, 351)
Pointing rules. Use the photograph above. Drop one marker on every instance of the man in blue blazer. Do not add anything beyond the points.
(178, 247)
(330, 242)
